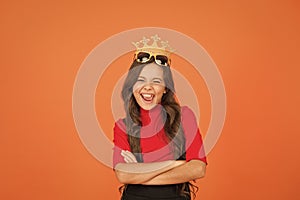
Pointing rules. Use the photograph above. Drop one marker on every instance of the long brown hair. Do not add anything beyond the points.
(171, 112)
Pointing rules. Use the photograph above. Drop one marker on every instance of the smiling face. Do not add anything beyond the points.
(149, 87)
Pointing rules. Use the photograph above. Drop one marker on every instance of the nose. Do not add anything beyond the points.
(147, 87)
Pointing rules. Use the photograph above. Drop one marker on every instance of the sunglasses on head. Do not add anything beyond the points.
(143, 57)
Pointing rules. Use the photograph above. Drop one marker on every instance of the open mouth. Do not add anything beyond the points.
(147, 97)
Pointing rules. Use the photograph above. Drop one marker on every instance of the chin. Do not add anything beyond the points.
(148, 107)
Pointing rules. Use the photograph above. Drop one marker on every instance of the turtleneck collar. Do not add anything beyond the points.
(149, 116)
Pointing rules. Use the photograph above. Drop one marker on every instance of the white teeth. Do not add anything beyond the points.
(147, 95)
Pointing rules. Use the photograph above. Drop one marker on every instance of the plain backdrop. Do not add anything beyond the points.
(255, 45)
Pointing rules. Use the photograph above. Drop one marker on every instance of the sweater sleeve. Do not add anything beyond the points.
(120, 142)
(194, 145)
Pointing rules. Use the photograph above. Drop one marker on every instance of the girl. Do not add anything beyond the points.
(158, 147)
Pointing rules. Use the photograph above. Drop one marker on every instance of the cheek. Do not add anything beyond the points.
(136, 96)
(136, 87)
(160, 91)
(136, 91)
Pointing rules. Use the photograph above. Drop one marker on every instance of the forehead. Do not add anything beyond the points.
(152, 71)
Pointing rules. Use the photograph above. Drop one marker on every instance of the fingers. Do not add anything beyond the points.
(128, 157)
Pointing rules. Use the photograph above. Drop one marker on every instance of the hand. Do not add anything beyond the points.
(128, 156)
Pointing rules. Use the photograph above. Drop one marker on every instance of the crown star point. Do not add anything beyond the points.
(157, 45)
(155, 38)
(136, 44)
(145, 40)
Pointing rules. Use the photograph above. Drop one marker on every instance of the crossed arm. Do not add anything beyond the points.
(158, 173)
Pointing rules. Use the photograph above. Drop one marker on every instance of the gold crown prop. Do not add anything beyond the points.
(158, 46)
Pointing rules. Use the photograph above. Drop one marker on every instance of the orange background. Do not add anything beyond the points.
(254, 44)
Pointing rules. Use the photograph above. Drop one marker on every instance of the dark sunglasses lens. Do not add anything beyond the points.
(163, 60)
(143, 57)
